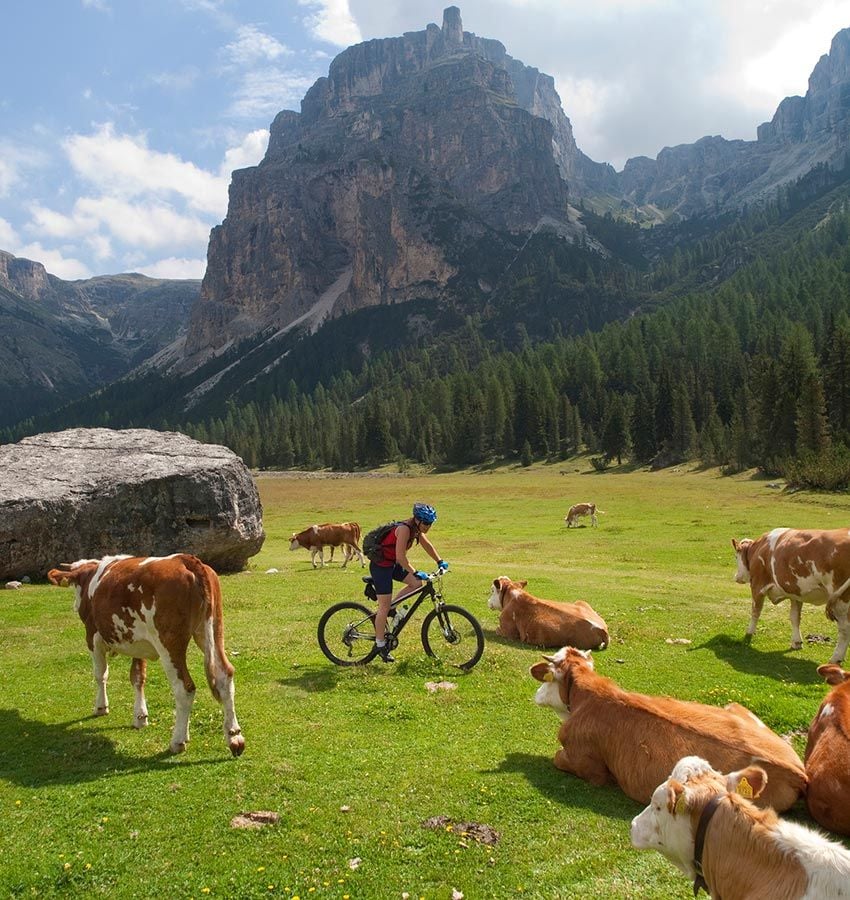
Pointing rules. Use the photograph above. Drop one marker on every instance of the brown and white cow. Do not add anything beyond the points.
(329, 534)
(150, 608)
(582, 509)
(805, 566)
(705, 823)
(613, 736)
(545, 623)
(828, 755)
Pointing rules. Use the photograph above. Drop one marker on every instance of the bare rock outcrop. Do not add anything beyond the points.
(87, 493)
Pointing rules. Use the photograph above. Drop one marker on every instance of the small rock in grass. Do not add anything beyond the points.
(678, 641)
(434, 686)
(258, 819)
(13, 585)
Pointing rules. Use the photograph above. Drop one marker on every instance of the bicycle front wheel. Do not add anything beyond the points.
(452, 635)
(347, 634)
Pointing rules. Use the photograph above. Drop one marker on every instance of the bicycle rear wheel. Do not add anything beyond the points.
(452, 635)
(347, 634)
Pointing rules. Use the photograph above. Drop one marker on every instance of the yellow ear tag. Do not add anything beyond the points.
(548, 677)
(680, 805)
(745, 789)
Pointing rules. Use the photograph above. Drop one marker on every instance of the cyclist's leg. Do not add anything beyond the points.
(411, 582)
(382, 578)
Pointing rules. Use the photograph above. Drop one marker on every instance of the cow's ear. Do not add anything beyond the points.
(749, 782)
(522, 584)
(542, 671)
(833, 674)
(736, 545)
(61, 578)
(676, 802)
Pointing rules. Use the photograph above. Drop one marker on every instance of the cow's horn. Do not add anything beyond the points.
(66, 566)
(549, 659)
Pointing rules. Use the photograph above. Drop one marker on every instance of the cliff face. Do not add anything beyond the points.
(406, 143)
(805, 131)
(62, 339)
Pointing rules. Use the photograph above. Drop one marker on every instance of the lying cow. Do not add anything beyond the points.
(582, 509)
(317, 537)
(613, 736)
(545, 623)
(150, 608)
(805, 566)
(828, 755)
(705, 824)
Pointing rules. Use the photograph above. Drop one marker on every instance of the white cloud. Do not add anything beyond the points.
(179, 80)
(99, 5)
(124, 166)
(248, 153)
(333, 22)
(8, 237)
(252, 45)
(15, 160)
(265, 92)
(150, 224)
(54, 261)
(174, 268)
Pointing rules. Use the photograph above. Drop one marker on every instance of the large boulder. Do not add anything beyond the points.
(91, 492)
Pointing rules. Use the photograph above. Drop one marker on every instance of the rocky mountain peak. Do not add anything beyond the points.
(452, 26)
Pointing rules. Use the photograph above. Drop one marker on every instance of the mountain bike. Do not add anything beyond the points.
(449, 633)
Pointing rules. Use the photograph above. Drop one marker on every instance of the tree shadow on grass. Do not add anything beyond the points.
(565, 789)
(781, 665)
(36, 754)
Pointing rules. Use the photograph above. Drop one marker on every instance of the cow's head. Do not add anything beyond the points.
(501, 586)
(557, 674)
(294, 543)
(833, 674)
(79, 574)
(668, 823)
(742, 551)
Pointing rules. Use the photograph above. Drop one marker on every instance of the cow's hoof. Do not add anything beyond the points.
(237, 745)
(140, 722)
(837, 660)
(177, 747)
(796, 645)
(101, 710)
(748, 638)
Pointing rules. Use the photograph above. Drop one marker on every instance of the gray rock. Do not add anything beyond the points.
(87, 493)
(13, 585)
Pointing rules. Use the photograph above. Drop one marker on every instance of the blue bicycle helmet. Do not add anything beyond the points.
(425, 513)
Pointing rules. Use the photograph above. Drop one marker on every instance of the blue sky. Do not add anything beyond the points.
(121, 120)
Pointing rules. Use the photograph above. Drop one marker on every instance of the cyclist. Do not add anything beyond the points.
(393, 564)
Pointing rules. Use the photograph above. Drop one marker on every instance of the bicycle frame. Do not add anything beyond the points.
(420, 593)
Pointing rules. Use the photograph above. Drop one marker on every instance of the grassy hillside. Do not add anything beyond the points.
(356, 761)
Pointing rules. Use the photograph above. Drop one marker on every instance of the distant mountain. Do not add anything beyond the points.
(430, 180)
(60, 340)
(421, 164)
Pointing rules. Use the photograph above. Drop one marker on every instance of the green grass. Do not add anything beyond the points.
(91, 806)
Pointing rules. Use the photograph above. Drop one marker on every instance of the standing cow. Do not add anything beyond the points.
(804, 566)
(329, 534)
(582, 509)
(150, 608)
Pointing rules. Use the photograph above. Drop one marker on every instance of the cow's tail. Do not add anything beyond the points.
(215, 656)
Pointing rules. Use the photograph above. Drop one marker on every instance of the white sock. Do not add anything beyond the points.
(380, 643)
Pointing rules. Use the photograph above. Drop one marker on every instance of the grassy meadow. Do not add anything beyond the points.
(355, 760)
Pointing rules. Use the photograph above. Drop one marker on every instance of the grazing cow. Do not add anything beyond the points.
(805, 566)
(149, 608)
(705, 824)
(330, 534)
(828, 755)
(582, 509)
(613, 736)
(545, 623)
